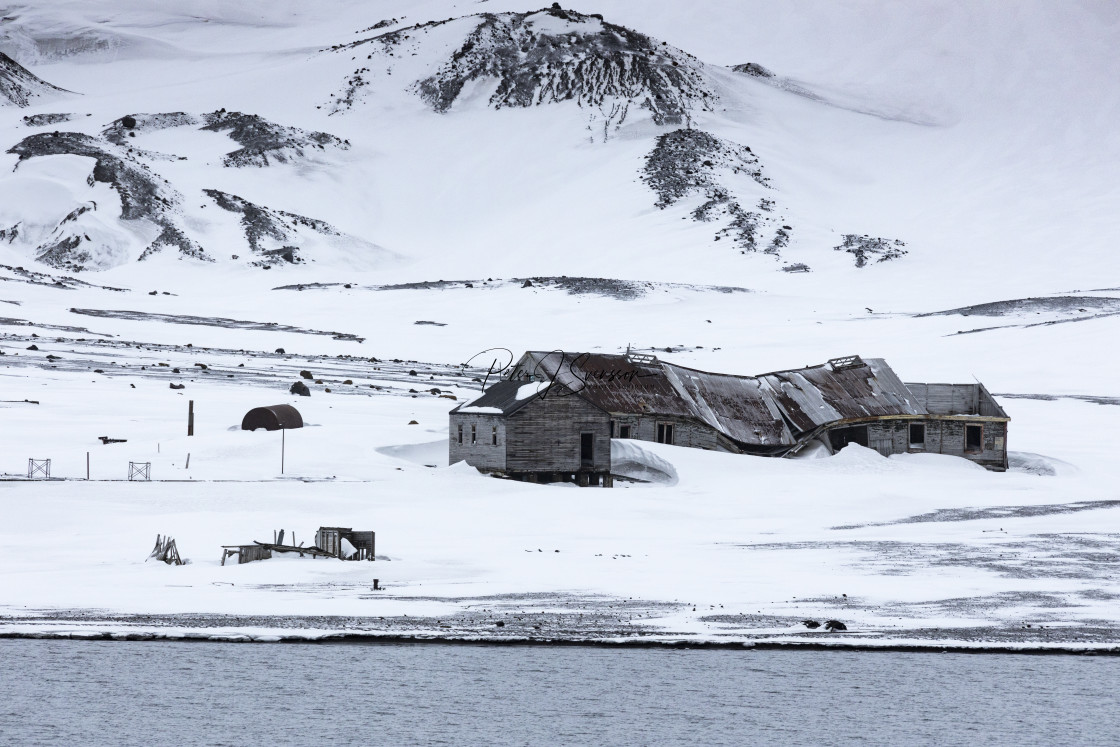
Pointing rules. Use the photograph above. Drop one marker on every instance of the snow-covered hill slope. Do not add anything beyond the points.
(18, 86)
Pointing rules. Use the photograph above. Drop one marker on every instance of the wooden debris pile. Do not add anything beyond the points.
(166, 550)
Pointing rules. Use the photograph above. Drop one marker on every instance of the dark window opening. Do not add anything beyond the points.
(586, 448)
(474, 435)
(494, 436)
(612, 429)
(974, 438)
(460, 433)
(664, 433)
(841, 437)
(624, 431)
(917, 434)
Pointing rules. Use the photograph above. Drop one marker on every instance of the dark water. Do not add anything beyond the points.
(154, 693)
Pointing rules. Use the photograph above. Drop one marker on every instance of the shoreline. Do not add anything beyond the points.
(646, 643)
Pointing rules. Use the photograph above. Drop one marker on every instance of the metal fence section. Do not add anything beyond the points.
(38, 469)
(139, 471)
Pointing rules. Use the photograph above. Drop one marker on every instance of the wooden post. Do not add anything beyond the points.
(282, 447)
(190, 418)
(188, 461)
(87, 465)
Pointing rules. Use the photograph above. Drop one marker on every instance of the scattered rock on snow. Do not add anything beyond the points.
(865, 248)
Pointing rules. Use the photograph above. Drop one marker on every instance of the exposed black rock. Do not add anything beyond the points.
(212, 321)
(40, 120)
(811, 624)
(62, 282)
(865, 248)
(753, 69)
(549, 56)
(19, 86)
(144, 195)
(260, 223)
(119, 130)
(694, 163)
(383, 23)
(265, 142)
(1045, 304)
(833, 626)
(300, 388)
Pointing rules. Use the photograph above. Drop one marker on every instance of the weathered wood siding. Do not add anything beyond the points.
(943, 436)
(483, 454)
(948, 399)
(685, 432)
(544, 436)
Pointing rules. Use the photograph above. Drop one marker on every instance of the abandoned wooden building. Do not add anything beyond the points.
(533, 431)
(557, 412)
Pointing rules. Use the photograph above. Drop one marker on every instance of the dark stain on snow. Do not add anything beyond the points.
(623, 290)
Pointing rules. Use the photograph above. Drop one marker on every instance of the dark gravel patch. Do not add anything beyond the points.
(209, 321)
(1042, 305)
(994, 512)
(623, 290)
(41, 120)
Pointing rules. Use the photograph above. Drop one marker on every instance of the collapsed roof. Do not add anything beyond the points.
(770, 413)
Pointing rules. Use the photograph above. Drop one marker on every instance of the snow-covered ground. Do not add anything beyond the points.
(980, 136)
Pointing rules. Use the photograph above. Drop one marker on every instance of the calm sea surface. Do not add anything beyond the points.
(156, 693)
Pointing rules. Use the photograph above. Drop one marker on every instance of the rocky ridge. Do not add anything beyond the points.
(548, 56)
(19, 86)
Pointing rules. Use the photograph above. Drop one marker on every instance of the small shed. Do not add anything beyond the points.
(272, 418)
(345, 543)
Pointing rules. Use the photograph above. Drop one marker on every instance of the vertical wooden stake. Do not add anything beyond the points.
(282, 448)
(188, 461)
(87, 465)
(190, 418)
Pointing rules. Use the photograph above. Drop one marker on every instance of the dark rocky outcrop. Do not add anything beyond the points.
(693, 163)
(300, 388)
(867, 248)
(19, 86)
(264, 142)
(549, 56)
(120, 130)
(144, 196)
(260, 223)
(40, 120)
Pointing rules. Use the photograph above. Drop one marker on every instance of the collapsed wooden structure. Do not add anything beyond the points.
(556, 413)
(166, 550)
(330, 542)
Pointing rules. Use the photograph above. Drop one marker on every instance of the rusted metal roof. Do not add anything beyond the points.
(757, 412)
(817, 395)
